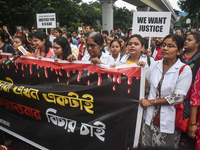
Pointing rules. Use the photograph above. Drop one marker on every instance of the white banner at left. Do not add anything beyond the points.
(46, 20)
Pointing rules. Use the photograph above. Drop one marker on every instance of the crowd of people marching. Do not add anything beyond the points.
(172, 72)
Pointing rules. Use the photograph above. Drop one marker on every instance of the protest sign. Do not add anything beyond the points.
(62, 105)
(46, 20)
(151, 24)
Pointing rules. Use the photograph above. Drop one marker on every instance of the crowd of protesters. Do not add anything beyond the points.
(169, 81)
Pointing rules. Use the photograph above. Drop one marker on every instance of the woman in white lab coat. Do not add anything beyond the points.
(167, 87)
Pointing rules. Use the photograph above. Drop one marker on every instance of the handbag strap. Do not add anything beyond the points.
(182, 69)
(181, 104)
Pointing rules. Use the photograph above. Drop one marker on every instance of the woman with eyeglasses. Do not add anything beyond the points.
(168, 80)
(61, 48)
(94, 44)
(21, 41)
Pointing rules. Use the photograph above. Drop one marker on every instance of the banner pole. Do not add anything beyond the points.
(140, 109)
(149, 44)
(46, 32)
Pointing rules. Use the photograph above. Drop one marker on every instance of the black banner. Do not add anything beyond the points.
(69, 105)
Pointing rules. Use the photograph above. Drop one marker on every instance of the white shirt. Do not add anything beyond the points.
(154, 53)
(51, 38)
(142, 58)
(105, 59)
(172, 83)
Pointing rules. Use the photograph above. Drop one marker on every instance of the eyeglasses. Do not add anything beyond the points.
(34, 41)
(158, 38)
(91, 45)
(168, 45)
(16, 42)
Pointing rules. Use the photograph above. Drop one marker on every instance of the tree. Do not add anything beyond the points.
(93, 11)
(122, 17)
(90, 13)
(23, 12)
(183, 22)
(190, 6)
(69, 13)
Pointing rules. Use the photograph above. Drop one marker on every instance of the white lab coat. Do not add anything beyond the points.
(143, 58)
(172, 83)
(105, 59)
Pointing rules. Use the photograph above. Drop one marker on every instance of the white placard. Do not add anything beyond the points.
(151, 24)
(46, 20)
(188, 21)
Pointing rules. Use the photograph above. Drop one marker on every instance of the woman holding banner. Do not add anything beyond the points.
(61, 48)
(135, 52)
(43, 45)
(167, 87)
(21, 41)
(94, 44)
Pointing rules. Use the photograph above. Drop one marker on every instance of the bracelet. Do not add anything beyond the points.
(192, 124)
(155, 101)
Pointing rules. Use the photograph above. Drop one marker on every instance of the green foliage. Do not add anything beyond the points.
(23, 12)
(183, 22)
(190, 6)
(69, 13)
(90, 13)
(122, 17)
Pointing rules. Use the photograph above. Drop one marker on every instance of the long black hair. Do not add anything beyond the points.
(24, 41)
(63, 42)
(69, 36)
(2, 35)
(42, 35)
